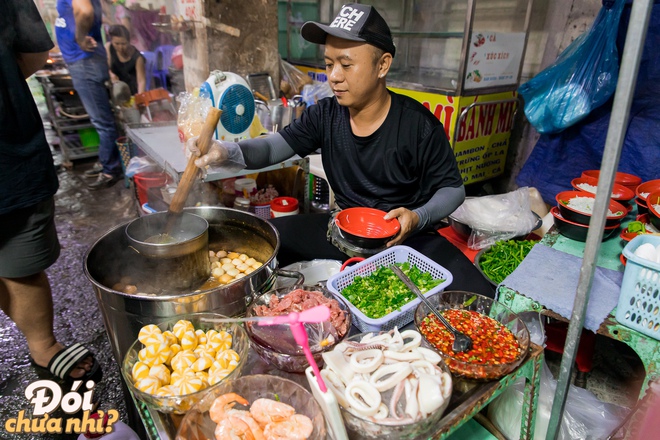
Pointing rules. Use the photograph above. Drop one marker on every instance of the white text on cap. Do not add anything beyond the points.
(347, 18)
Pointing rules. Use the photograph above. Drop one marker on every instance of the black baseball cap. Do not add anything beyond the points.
(354, 22)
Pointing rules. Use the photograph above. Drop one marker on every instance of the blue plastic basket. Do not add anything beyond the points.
(639, 301)
(395, 254)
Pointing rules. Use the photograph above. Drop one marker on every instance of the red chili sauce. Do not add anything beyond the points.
(492, 342)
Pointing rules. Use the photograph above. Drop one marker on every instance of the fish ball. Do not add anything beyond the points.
(131, 289)
(119, 287)
(236, 262)
(216, 264)
(233, 255)
(228, 266)
(214, 259)
(221, 254)
(257, 265)
(233, 272)
(242, 267)
(240, 275)
(225, 260)
(250, 261)
(211, 254)
(225, 279)
(243, 257)
(249, 270)
(217, 272)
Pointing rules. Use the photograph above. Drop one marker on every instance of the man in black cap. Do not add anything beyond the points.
(379, 149)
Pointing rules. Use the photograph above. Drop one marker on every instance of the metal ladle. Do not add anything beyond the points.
(462, 342)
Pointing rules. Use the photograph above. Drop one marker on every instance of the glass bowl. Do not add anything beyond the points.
(197, 424)
(275, 343)
(361, 428)
(486, 306)
(180, 404)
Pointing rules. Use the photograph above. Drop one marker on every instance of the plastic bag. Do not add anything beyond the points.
(192, 114)
(139, 164)
(311, 93)
(293, 80)
(496, 218)
(582, 78)
(585, 417)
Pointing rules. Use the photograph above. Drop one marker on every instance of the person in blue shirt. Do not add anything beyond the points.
(78, 32)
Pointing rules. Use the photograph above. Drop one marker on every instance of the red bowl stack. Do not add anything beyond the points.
(573, 221)
(643, 191)
(653, 203)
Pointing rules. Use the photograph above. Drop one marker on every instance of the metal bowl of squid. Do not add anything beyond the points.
(359, 427)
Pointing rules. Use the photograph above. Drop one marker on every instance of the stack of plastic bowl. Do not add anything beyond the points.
(574, 223)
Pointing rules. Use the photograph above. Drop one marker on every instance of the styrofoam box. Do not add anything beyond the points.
(395, 254)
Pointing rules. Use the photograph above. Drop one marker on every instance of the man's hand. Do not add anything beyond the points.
(88, 44)
(408, 221)
(216, 155)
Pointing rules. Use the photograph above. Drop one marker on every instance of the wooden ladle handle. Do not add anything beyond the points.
(190, 173)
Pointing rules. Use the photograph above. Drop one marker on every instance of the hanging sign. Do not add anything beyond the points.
(190, 9)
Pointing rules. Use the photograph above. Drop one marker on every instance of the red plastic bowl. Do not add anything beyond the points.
(647, 187)
(654, 215)
(629, 180)
(627, 236)
(620, 193)
(577, 231)
(583, 218)
(365, 227)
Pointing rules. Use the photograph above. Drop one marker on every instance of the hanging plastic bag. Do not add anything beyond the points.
(193, 108)
(311, 93)
(497, 218)
(582, 78)
(292, 80)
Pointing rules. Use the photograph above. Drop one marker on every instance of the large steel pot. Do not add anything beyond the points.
(110, 259)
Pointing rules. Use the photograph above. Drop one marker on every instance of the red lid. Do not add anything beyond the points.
(367, 223)
(625, 179)
(284, 204)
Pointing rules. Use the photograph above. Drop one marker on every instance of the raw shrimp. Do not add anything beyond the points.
(249, 420)
(233, 428)
(266, 411)
(222, 404)
(296, 427)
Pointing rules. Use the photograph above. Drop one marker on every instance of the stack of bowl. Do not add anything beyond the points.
(653, 203)
(572, 220)
(643, 191)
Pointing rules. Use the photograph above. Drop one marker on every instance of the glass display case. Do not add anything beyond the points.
(462, 59)
(453, 47)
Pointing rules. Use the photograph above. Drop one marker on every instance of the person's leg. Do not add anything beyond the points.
(439, 249)
(89, 77)
(303, 238)
(29, 304)
(29, 245)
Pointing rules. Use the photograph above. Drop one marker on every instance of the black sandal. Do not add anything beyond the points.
(66, 360)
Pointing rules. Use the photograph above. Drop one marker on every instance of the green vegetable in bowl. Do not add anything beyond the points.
(637, 226)
(503, 258)
(382, 292)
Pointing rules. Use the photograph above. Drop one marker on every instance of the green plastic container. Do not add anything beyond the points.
(89, 138)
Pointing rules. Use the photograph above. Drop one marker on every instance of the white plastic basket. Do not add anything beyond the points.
(639, 301)
(395, 254)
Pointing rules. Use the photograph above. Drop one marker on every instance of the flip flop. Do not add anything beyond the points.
(66, 360)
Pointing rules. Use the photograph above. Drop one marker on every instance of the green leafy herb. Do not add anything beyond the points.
(277, 397)
(382, 292)
(503, 257)
(637, 226)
